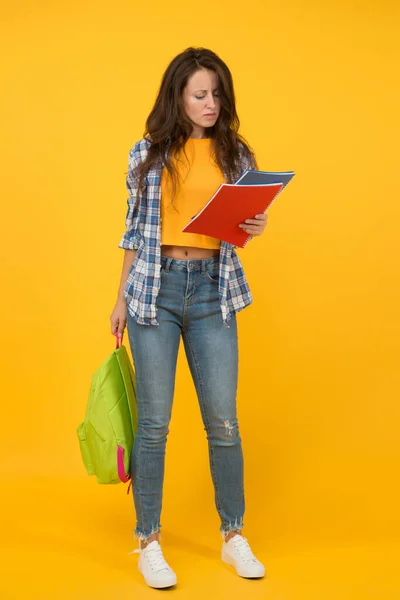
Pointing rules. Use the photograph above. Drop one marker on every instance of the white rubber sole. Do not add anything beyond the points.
(226, 558)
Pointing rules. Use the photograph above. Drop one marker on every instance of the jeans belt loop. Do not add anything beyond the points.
(168, 263)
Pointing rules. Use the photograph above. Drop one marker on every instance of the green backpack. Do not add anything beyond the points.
(106, 435)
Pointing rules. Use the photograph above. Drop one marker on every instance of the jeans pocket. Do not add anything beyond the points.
(212, 275)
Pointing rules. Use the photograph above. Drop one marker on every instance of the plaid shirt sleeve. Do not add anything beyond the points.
(130, 239)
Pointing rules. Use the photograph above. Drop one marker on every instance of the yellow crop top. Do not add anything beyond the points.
(196, 186)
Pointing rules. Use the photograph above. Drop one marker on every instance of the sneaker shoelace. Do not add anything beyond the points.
(242, 546)
(156, 559)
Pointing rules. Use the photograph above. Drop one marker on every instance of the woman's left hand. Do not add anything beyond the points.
(255, 226)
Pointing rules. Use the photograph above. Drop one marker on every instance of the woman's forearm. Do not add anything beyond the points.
(129, 257)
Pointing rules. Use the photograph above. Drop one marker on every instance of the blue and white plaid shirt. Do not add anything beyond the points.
(143, 233)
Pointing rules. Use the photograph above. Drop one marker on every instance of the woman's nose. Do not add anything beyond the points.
(211, 102)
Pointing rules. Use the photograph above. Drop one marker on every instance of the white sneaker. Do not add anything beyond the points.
(153, 566)
(238, 554)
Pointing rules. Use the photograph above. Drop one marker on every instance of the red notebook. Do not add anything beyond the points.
(231, 205)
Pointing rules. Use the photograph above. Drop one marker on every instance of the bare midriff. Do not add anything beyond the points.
(187, 252)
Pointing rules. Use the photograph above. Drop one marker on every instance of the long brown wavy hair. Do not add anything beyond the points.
(168, 128)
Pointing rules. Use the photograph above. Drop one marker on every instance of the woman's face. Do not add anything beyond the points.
(201, 100)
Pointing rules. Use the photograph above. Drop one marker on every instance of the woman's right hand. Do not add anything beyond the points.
(118, 318)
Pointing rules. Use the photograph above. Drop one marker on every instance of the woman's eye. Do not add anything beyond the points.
(202, 97)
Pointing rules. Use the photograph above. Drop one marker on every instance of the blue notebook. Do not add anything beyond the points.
(252, 177)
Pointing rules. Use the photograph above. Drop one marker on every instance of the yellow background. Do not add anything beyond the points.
(317, 92)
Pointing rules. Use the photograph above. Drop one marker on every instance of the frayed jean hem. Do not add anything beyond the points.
(143, 535)
(227, 527)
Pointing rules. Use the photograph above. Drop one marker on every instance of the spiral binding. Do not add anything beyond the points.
(249, 237)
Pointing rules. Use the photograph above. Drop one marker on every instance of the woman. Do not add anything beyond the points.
(177, 284)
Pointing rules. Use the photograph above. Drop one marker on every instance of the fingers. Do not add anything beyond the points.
(258, 221)
(252, 228)
(251, 231)
(118, 327)
(255, 226)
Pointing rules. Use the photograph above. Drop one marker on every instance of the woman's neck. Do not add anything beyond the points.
(198, 133)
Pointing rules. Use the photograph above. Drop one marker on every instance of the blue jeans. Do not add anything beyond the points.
(188, 305)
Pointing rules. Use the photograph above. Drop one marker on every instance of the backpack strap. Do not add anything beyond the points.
(121, 469)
